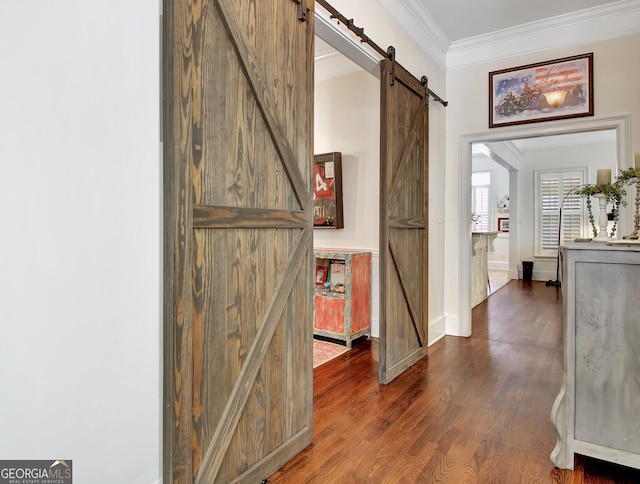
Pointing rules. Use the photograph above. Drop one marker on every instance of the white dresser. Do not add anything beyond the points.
(597, 412)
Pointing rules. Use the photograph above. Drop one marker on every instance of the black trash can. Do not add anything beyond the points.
(527, 270)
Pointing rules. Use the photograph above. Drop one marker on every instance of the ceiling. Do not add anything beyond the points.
(461, 33)
(462, 19)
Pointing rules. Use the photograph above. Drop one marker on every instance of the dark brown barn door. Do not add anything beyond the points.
(403, 221)
(238, 237)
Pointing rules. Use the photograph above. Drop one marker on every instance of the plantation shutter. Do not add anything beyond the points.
(550, 213)
(572, 211)
(481, 185)
(555, 194)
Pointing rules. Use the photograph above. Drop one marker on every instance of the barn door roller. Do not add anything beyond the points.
(391, 55)
(302, 10)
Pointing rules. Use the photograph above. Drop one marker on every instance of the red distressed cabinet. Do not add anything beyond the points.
(342, 300)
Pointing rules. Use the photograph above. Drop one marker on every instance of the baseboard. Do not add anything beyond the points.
(497, 265)
(375, 327)
(540, 275)
(452, 324)
(437, 330)
(544, 276)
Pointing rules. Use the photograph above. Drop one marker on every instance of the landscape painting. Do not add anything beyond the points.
(562, 88)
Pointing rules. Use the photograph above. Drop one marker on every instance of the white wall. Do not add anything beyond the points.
(384, 31)
(80, 250)
(616, 70)
(347, 119)
(593, 156)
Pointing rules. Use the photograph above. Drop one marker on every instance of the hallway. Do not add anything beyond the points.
(476, 410)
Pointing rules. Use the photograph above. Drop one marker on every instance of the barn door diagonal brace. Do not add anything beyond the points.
(335, 14)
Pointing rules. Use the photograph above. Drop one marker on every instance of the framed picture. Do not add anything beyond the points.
(503, 224)
(557, 89)
(327, 191)
(321, 275)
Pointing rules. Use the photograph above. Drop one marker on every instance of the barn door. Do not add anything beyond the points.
(238, 237)
(403, 221)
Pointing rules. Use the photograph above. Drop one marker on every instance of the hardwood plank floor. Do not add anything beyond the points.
(476, 410)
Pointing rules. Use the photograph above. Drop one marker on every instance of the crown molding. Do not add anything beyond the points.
(609, 21)
(420, 26)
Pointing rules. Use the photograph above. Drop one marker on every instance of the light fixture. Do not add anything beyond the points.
(555, 98)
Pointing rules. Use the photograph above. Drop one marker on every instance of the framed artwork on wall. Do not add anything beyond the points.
(503, 224)
(321, 275)
(327, 191)
(556, 89)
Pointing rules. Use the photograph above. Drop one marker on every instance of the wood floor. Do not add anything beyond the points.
(475, 411)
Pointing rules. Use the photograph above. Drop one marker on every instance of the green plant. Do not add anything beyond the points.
(614, 193)
(627, 175)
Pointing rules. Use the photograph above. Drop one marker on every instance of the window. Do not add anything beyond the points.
(480, 196)
(555, 197)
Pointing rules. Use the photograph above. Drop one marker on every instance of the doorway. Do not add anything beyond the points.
(403, 212)
(347, 120)
(492, 170)
(620, 125)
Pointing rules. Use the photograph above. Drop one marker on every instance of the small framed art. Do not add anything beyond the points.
(503, 224)
(321, 275)
(327, 191)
